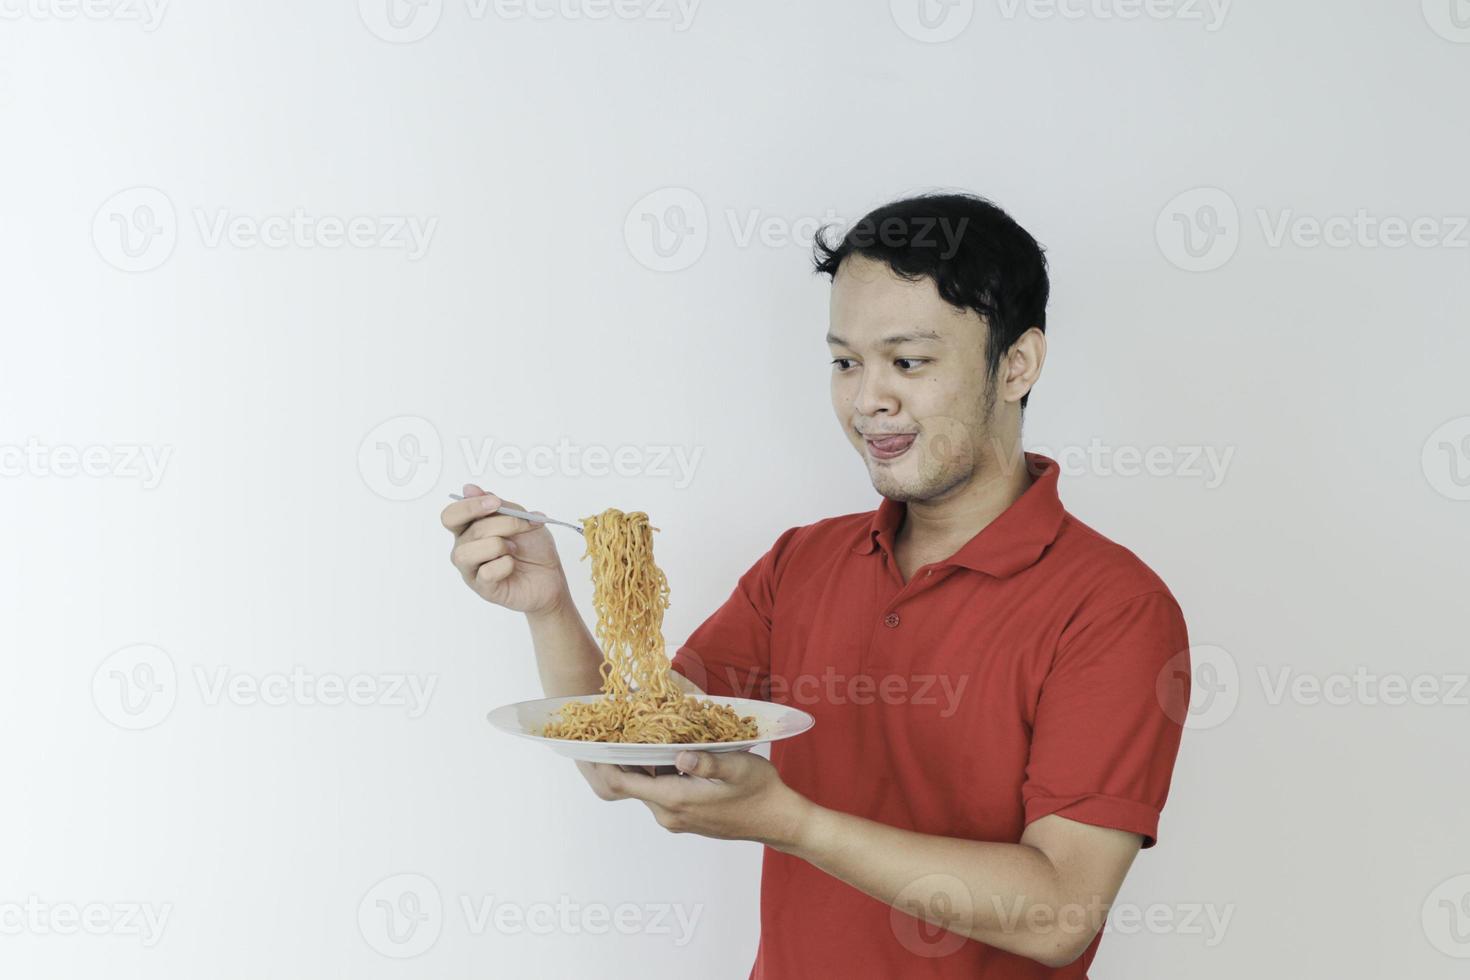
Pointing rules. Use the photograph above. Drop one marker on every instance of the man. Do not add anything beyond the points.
(998, 688)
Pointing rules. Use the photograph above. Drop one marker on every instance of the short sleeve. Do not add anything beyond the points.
(729, 654)
(1109, 718)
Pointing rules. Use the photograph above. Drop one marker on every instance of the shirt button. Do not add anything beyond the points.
(891, 620)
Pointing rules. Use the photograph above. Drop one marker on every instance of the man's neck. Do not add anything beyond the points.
(935, 529)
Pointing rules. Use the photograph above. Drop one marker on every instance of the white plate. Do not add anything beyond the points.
(773, 721)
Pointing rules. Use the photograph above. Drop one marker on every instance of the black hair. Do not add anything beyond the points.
(977, 255)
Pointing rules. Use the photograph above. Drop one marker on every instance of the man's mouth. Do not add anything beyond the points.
(889, 446)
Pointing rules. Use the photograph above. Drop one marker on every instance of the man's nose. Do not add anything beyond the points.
(876, 397)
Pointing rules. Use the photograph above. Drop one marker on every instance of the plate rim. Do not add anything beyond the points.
(806, 718)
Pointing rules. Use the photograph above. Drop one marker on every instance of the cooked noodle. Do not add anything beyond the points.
(641, 701)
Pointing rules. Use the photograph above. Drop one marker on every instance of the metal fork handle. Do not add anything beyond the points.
(527, 516)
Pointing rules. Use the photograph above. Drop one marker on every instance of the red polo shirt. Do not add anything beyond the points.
(1029, 673)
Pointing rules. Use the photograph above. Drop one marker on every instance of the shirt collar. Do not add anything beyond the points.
(1013, 541)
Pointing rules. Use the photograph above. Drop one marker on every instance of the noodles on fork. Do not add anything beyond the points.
(641, 701)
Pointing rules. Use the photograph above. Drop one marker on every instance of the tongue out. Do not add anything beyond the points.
(892, 444)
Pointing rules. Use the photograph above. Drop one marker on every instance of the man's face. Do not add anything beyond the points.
(909, 367)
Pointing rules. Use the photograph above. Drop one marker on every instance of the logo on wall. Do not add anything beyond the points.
(401, 458)
(401, 916)
(135, 230)
(400, 21)
(135, 687)
(667, 230)
(932, 21)
(1199, 230)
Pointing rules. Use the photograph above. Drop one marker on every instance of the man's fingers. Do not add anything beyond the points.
(632, 783)
(649, 789)
(652, 770)
(710, 765)
(667, 819)
(462, 513)
(611, 779)
(499, 526)
(495, 570)
(724, 766)
(468, 556)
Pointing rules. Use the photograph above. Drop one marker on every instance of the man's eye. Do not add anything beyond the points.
(842, 363)
(909, 363)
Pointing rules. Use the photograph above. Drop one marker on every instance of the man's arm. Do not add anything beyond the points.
(1044, 898)
(514, 563)
(1102, 751)
(567, 657)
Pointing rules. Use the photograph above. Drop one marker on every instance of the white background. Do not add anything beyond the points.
(269, 379)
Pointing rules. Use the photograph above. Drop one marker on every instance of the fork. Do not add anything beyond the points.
(526, 516)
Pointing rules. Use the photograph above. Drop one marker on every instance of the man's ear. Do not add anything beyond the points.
(1021, 367)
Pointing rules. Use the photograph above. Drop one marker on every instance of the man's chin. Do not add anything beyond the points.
(892, 486)
(907, 487)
